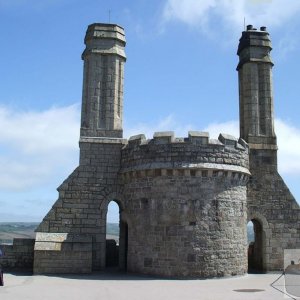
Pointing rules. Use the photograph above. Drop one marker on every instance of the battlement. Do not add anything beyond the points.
(194, 138)
(165, 153)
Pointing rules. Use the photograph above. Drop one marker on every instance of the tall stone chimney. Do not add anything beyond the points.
(102, 96)
(256, 89)
(270, 205)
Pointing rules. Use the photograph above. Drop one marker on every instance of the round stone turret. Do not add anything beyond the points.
(186, 202)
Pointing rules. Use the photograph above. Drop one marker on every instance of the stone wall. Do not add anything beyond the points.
(272, 205)
(186, 205)
(197, 190)
(62, 253)
(84, 196)
(19, 255)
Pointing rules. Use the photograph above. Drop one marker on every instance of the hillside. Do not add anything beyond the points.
(11, 230)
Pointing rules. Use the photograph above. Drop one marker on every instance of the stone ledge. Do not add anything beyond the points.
(186, 173)
(62, 237)
(186, 165)
(102, 140)
(262, 146)
(111, 51)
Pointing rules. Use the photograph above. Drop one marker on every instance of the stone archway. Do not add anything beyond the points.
(116, 248)
(257, 250)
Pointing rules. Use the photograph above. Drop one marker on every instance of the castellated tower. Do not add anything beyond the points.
(271, 207)
(184, 202)
(186, 205)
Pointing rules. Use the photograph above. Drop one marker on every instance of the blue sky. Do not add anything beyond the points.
(180, 75)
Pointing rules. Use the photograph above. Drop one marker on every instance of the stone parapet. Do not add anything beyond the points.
(102, 140)
(166, 153)
(19, 255)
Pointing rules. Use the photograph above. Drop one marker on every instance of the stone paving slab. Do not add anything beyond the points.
(124, 287)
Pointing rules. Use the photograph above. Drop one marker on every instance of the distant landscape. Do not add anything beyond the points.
(11, 230)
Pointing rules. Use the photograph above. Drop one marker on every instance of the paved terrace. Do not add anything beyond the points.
(124, 287)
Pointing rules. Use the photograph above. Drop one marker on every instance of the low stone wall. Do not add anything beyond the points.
(56, 253)
(84, 195)
(19, 255)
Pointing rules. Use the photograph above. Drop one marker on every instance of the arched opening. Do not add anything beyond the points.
(255, 246)
(116, 238)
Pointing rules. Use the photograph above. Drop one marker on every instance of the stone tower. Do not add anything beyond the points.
(271, 207)
(72, 236)
(186, 204)
(256, 90)
(102, 97)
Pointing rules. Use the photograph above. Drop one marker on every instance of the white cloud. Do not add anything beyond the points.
(189, 11)
(230, 127)
(37, 146)
(29, 4)
(288, 138)
(286, 45)
(169, 123)
(230, 13)
(166, 124)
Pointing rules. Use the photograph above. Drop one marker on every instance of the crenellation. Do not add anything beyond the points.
(198, 137)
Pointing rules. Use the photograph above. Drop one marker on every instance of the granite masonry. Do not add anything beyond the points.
(184, 202)
(270, 205)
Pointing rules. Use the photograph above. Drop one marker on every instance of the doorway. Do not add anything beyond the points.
(116, 238)
(255, 246)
